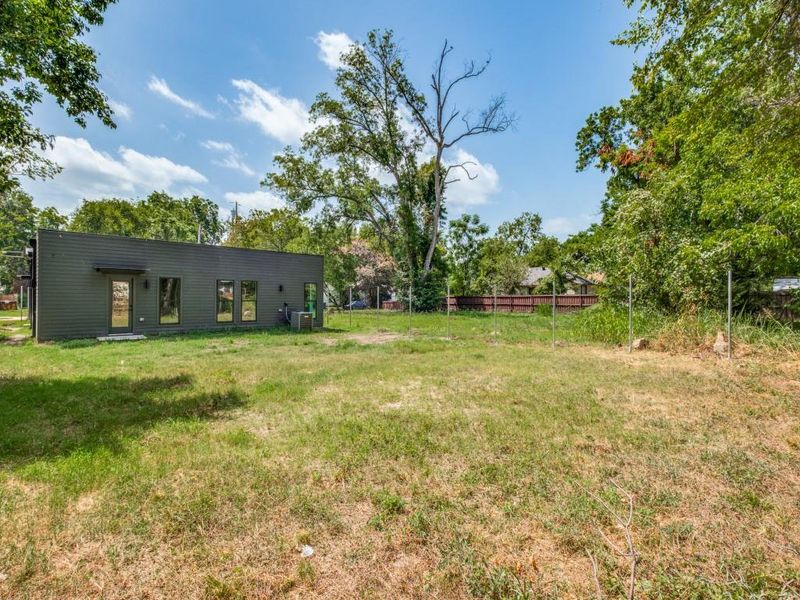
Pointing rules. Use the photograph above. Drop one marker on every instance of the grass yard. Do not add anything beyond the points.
(415, 466)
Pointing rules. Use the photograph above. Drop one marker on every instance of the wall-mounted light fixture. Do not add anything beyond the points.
(280, 287)
(147, 284)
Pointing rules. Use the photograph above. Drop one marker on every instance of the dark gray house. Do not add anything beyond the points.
(87, 285)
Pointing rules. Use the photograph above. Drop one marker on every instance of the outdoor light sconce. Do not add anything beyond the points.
(147, 284)
(280, 287)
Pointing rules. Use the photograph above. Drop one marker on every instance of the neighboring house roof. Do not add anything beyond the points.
(597, 277)
(783, 284)
(535, 274)
(578, 279)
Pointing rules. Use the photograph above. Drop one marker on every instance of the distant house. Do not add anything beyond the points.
(785, 284)
(8, 302)
(782, 301)
(575, 283)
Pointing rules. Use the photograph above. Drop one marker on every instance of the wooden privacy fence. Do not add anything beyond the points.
(521, 304)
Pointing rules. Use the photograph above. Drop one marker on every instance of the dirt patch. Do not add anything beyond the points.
(379, 337)
(16, 339)
(86, 502)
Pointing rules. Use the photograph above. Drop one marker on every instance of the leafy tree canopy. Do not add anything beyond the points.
(19, 220)
(703, 156)
(363, 158)
(41, 51)
(279, 229)
(158, 217)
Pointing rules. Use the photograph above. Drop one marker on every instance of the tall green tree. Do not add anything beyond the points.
(330, 237)
(19, 220)
(279, 229)
(158, 217)
(500, 268)
(464, 238)
(362, 158)
(41, 52)
(522, 232)
(703, 156)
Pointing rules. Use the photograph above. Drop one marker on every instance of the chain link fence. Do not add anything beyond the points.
(558, 320)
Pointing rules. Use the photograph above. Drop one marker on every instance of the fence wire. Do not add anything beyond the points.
(532, 318)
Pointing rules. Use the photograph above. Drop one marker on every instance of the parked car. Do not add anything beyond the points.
(356, 305)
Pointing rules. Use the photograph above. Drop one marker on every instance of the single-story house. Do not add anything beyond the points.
(88, 285)
(575, 283)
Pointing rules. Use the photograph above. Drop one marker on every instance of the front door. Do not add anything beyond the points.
(120, 293)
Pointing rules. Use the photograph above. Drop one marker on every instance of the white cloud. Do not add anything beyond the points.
(160, 87)
(260, 199)
(231, 160)
(564, 226)
(285, 119)
(90, 173)
(121, 110)
(331, 47)
(471, 192)
(218, 146)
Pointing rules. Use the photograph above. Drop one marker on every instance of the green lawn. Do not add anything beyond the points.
(415, 466)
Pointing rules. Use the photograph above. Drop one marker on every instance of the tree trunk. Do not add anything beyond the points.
(437, 209)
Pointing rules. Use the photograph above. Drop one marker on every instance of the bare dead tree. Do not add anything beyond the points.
(436, 125)
(629, 551)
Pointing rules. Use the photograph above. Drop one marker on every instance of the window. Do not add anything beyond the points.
(169, 301)
(311, 298)
(249, 298)
(224, 301)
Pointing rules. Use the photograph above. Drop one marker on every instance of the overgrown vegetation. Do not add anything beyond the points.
(608, 323)
(703, 156)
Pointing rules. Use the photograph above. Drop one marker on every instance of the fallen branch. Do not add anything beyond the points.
(629, 551)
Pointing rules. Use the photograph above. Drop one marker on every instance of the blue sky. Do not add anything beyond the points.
(207, 92)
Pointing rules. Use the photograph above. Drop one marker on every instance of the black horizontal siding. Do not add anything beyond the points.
(73, 297)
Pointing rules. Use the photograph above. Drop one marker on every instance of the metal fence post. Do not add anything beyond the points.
(630, 312)
(410, 290)
(554, 310)
(494, 315)
(448, 311)
(351, 307)
(730, 311)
